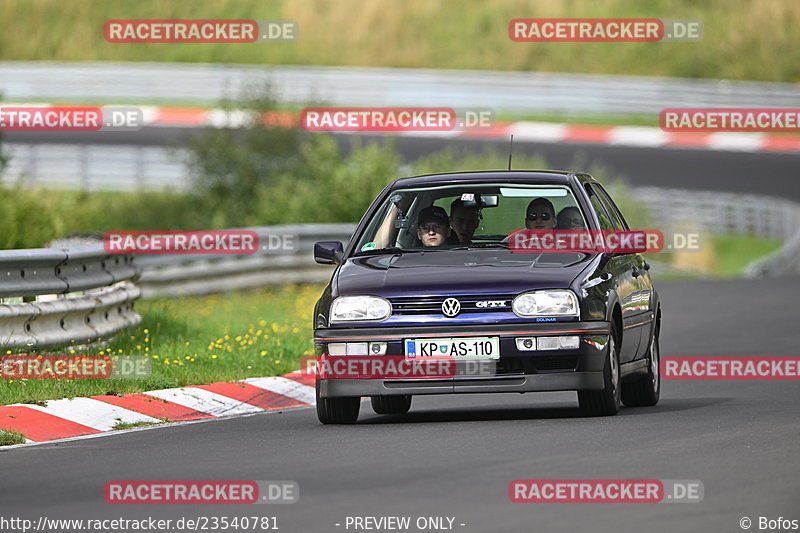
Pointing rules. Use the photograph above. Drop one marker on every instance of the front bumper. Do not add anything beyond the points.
(516, 371)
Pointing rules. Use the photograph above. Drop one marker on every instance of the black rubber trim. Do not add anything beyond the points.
(460, 330)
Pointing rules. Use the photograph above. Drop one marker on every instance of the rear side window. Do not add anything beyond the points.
(597, 204)
(611, 207)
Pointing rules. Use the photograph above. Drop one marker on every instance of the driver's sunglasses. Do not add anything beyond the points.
(438, 228)
(543, 216)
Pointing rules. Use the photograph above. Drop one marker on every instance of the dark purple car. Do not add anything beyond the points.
(429, 277)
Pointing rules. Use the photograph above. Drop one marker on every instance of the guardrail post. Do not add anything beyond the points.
(30, 171)
(84, 167)
(139, 168)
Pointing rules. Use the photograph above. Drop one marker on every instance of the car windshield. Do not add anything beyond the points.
(467, 216)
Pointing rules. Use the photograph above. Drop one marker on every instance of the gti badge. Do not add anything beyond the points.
(490, 303)
(451, 307)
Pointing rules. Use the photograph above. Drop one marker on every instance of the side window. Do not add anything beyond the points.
(597, 204)
(613, 210)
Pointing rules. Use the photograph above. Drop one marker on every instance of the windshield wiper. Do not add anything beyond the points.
(390, 250)
(483, 245)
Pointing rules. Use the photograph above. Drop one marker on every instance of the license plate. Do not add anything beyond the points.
(468, 348)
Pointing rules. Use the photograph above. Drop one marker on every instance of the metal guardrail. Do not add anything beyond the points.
(52, 297)
(784, 262)
(96, 166)
(176, 275)
(724, 212)
(507, 91)
(721, 212)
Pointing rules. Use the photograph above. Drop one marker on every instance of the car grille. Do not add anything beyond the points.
(433, 305)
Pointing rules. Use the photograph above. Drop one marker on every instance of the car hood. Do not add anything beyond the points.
(456, 272)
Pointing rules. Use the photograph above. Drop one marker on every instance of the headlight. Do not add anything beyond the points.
(360, 309)
(546, 303)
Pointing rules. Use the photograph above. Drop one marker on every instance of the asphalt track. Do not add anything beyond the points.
(455, 456)
(768, 173)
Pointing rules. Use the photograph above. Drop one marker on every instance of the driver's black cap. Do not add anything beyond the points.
(434, 212)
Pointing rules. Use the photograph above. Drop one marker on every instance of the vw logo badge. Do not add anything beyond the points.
(451, 307)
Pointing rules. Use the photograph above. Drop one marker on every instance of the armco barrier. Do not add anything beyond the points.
(784, 262)
(541, 92)
(721, 212)
(175, 275)
(726, 212)
(51, 297)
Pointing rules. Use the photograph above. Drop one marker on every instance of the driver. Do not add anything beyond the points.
(433, 226)
(464, 220)
(540, 214)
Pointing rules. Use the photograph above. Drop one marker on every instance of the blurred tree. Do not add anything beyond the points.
(230, 165)
(3, 157)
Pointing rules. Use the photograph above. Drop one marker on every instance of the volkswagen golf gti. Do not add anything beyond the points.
(434, 295)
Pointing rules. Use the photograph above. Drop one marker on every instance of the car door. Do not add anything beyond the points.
(626, 284)
(641, 267)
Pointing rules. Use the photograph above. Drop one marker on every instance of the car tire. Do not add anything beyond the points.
(337, 410)
(646, 391)
(604, 402)
(391, 405)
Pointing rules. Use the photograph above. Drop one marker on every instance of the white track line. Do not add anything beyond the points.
(92, 413)
(637, 136)
(205, 401)
(537, 131)
(744, 142)
(220, 118)
(286, 387)
(144, 428)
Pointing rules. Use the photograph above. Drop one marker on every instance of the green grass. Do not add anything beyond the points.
(9, 437)
(591, 119)
(735, 252)
(130, 425)
(721, 256)
(742, 39)
(198, 340)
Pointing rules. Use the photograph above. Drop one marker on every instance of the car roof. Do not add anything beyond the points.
(549, 177)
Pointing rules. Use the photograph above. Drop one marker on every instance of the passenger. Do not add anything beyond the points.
(540, 214)
(464, 221)
(433, 226)
(570, 218)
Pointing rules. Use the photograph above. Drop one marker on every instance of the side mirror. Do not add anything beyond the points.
(328, 252)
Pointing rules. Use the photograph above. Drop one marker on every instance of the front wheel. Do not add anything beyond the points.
(646, 391)
(337, 410)
(391, 405)
(607, 401)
